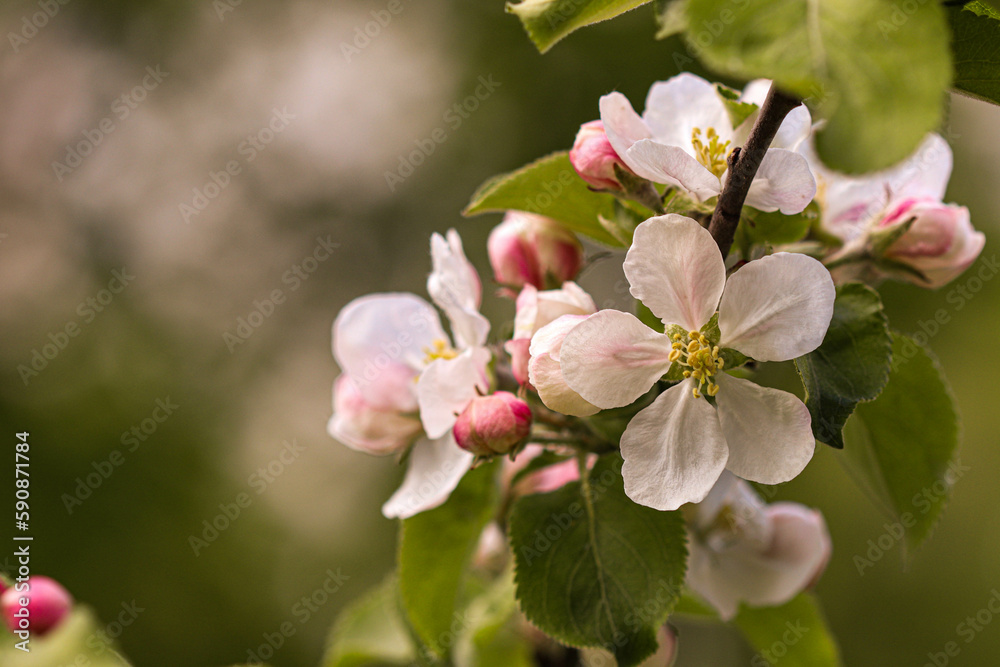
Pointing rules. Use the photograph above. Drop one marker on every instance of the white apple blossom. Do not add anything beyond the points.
(744, 551)
(397, 360)
(941, 242)
(771, 309)
(684, 139)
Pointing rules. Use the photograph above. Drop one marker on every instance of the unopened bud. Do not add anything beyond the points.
(939, 243)
(529, 249)
(47, 603)
(594, 158)
(493, 424)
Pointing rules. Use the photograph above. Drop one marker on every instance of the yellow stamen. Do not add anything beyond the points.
(712, 155)
(439, 350)
(699, 359)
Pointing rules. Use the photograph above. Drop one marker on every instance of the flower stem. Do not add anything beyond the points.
(743, 165)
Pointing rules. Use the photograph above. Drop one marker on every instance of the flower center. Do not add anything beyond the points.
(439, 349)
(713, 154)
(701, 361)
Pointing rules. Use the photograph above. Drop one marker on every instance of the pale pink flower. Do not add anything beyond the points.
(684, 139)
(743, 551)
(397, 362)
(771, 309)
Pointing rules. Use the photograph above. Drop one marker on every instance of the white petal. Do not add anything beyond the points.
(676, 106)
(674, 450)
(622, 124)
(783, 183)
(745, 514)
(536, 309)
(925, 173)
(777, 308)
(446, 387)
(768, 431)
(455, 287)
(675, 269)
(367, 428)
(612, 358)
(545, 374)
(549, 339)
(799, 548)
(545, 369)
(672, 165)
(379, 341)
(435, 469)
(797, 124)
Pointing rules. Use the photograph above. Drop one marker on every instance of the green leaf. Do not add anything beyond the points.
(976, 50)
(493, 639)
(877, 73)
(850, 366)
(595, 569)
(671, 17)
(902, 446)
(738, 111)
(78, 639)
(777, 228)
(371, 631)
(548, 21)
(551, 187)
(435, 548)
(792, 635)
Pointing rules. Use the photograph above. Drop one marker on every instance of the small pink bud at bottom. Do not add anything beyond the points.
(47, 604)
(493, 424)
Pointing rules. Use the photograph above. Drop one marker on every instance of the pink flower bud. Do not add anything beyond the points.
(594, 159)
(493, 424)
(529, 249)
(941, 243)
(46, 603)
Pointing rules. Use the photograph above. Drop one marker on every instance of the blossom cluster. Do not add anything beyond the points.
(700, 428)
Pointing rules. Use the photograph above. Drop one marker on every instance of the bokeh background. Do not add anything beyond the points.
(353, 107)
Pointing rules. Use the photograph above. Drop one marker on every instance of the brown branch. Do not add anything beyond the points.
(743, 165)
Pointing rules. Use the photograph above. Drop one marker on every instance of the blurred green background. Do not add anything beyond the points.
(352, 113)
